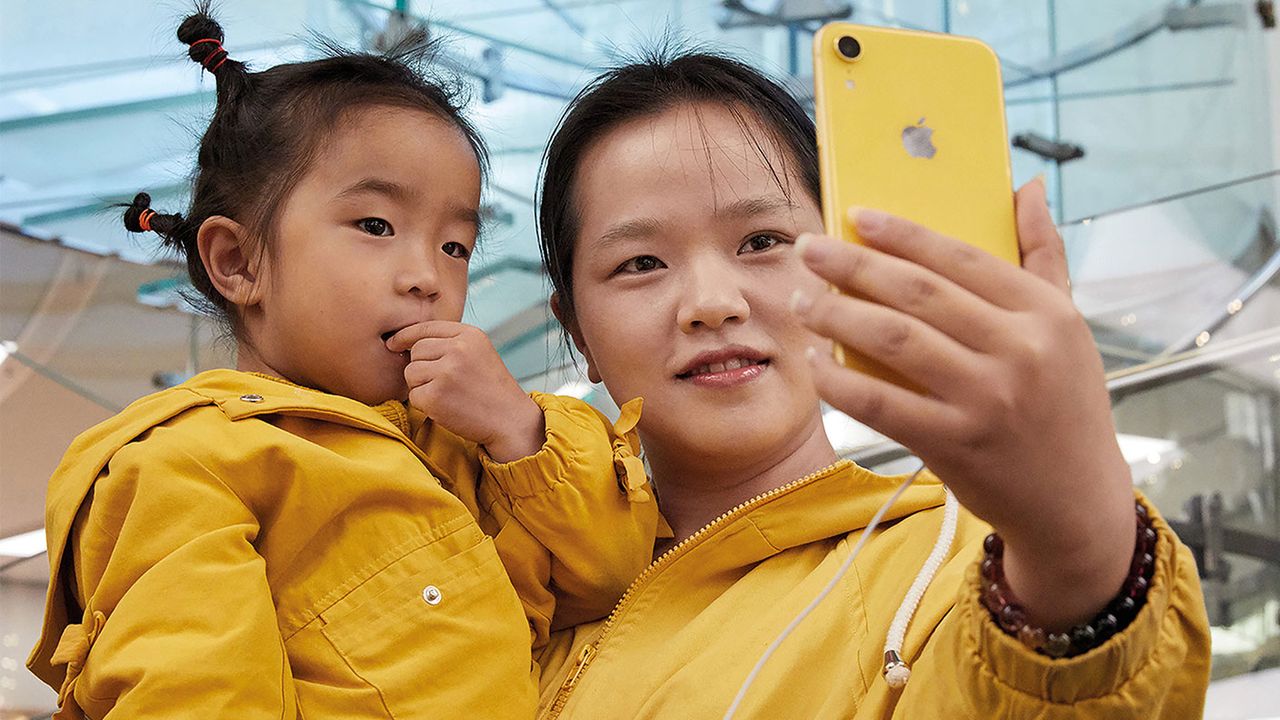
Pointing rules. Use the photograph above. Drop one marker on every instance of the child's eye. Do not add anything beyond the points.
(759, 243)
(640, 264)
(456, 249)
(375, 226)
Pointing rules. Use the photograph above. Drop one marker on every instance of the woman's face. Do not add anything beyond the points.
(682, 273)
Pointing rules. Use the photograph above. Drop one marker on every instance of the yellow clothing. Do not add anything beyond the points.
(242, 547)
(691, 627)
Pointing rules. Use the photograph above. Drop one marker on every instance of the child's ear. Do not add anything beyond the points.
(231, 260)
(576, 334)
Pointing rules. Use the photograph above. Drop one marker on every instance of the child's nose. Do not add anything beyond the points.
(417, 275)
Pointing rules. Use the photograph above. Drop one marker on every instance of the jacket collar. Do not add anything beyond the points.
(828, 504)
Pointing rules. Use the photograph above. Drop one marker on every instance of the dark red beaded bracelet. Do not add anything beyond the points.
(1010, 616)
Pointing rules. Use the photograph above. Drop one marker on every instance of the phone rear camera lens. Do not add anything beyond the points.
(849, 47)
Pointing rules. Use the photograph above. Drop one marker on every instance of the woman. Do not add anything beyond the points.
(678, 203)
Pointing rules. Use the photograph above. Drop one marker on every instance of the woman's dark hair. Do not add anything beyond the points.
(646, 88)
(268, 126)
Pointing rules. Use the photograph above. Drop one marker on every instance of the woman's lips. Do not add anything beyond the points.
(731, 373)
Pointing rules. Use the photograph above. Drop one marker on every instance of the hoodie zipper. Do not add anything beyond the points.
(590, 650)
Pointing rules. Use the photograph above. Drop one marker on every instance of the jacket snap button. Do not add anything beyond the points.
(251, 397)
(431, 594)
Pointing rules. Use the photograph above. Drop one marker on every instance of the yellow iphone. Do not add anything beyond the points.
(913, 123)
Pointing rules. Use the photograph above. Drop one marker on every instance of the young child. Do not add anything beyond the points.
(288, 539)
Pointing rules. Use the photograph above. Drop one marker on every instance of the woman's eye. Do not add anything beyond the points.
(759, 243)
(641, 264)
(375, 226)
(456, 249)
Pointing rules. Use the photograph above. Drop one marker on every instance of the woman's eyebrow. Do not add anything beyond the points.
(632, 229)
(751, 207)
(637, 228)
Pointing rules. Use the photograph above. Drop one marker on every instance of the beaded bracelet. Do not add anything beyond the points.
(1116, 616)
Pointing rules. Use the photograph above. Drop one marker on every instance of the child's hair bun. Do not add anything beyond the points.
(139, 217)
(204, 36)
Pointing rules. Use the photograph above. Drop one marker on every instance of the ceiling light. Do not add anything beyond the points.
(28, 544)
(576, 388)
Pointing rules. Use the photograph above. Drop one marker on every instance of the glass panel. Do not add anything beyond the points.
(1210, 464)
(1169, 276)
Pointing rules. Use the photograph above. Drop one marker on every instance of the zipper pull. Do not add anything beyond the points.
(562, 695)
(584, 659)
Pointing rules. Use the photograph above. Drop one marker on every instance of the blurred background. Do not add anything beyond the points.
(1154, 122)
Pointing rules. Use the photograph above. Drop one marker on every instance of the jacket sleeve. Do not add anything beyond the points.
(177, 620)
(575, 522)
(1157, 667)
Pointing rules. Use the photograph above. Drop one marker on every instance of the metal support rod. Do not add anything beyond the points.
(1131, 380)
(529, 49)
(1192, 363)
(566, 18)
(1122, 92)
(1056, 123)
(1202, 190)
(66, 382)
(1257, 280)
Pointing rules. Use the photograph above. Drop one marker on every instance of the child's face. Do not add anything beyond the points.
(375, 237)
(686, 248)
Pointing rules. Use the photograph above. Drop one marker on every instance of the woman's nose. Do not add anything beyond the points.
(712, 297)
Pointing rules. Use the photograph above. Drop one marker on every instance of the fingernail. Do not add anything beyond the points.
(1040, 177)
(801, 301)
(868, 221)
(806, 248)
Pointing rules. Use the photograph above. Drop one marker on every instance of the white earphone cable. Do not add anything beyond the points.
(844, 568)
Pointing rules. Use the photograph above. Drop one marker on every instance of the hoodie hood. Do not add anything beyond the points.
(238, 395)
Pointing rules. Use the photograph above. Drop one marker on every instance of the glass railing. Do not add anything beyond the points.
(1181, 273)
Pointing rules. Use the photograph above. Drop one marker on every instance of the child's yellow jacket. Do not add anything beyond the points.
(240, 547)
(690, 629)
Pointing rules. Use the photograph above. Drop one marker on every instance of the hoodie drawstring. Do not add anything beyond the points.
(896, 671)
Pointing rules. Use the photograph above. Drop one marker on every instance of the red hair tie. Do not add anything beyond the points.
(144, 220)
(221, 50)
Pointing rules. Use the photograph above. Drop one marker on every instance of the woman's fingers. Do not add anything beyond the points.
(916, 351)
(998, 282)
(908, 287)
(1042, 250)
(908, 418)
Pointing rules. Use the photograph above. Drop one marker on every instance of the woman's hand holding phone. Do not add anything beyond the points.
(1014, 413)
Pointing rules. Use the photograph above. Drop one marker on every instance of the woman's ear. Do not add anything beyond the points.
(576, 334)
(231, 260)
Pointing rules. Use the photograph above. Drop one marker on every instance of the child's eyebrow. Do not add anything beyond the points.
(401, 193)
(468, 214)
(377, 186)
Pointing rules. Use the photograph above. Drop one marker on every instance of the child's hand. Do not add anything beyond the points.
(456, 377)
(1016, 419)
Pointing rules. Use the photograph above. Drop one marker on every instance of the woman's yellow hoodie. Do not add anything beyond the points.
(242, 547)
(689, 630)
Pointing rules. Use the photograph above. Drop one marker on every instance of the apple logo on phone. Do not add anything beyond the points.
(918, 140)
